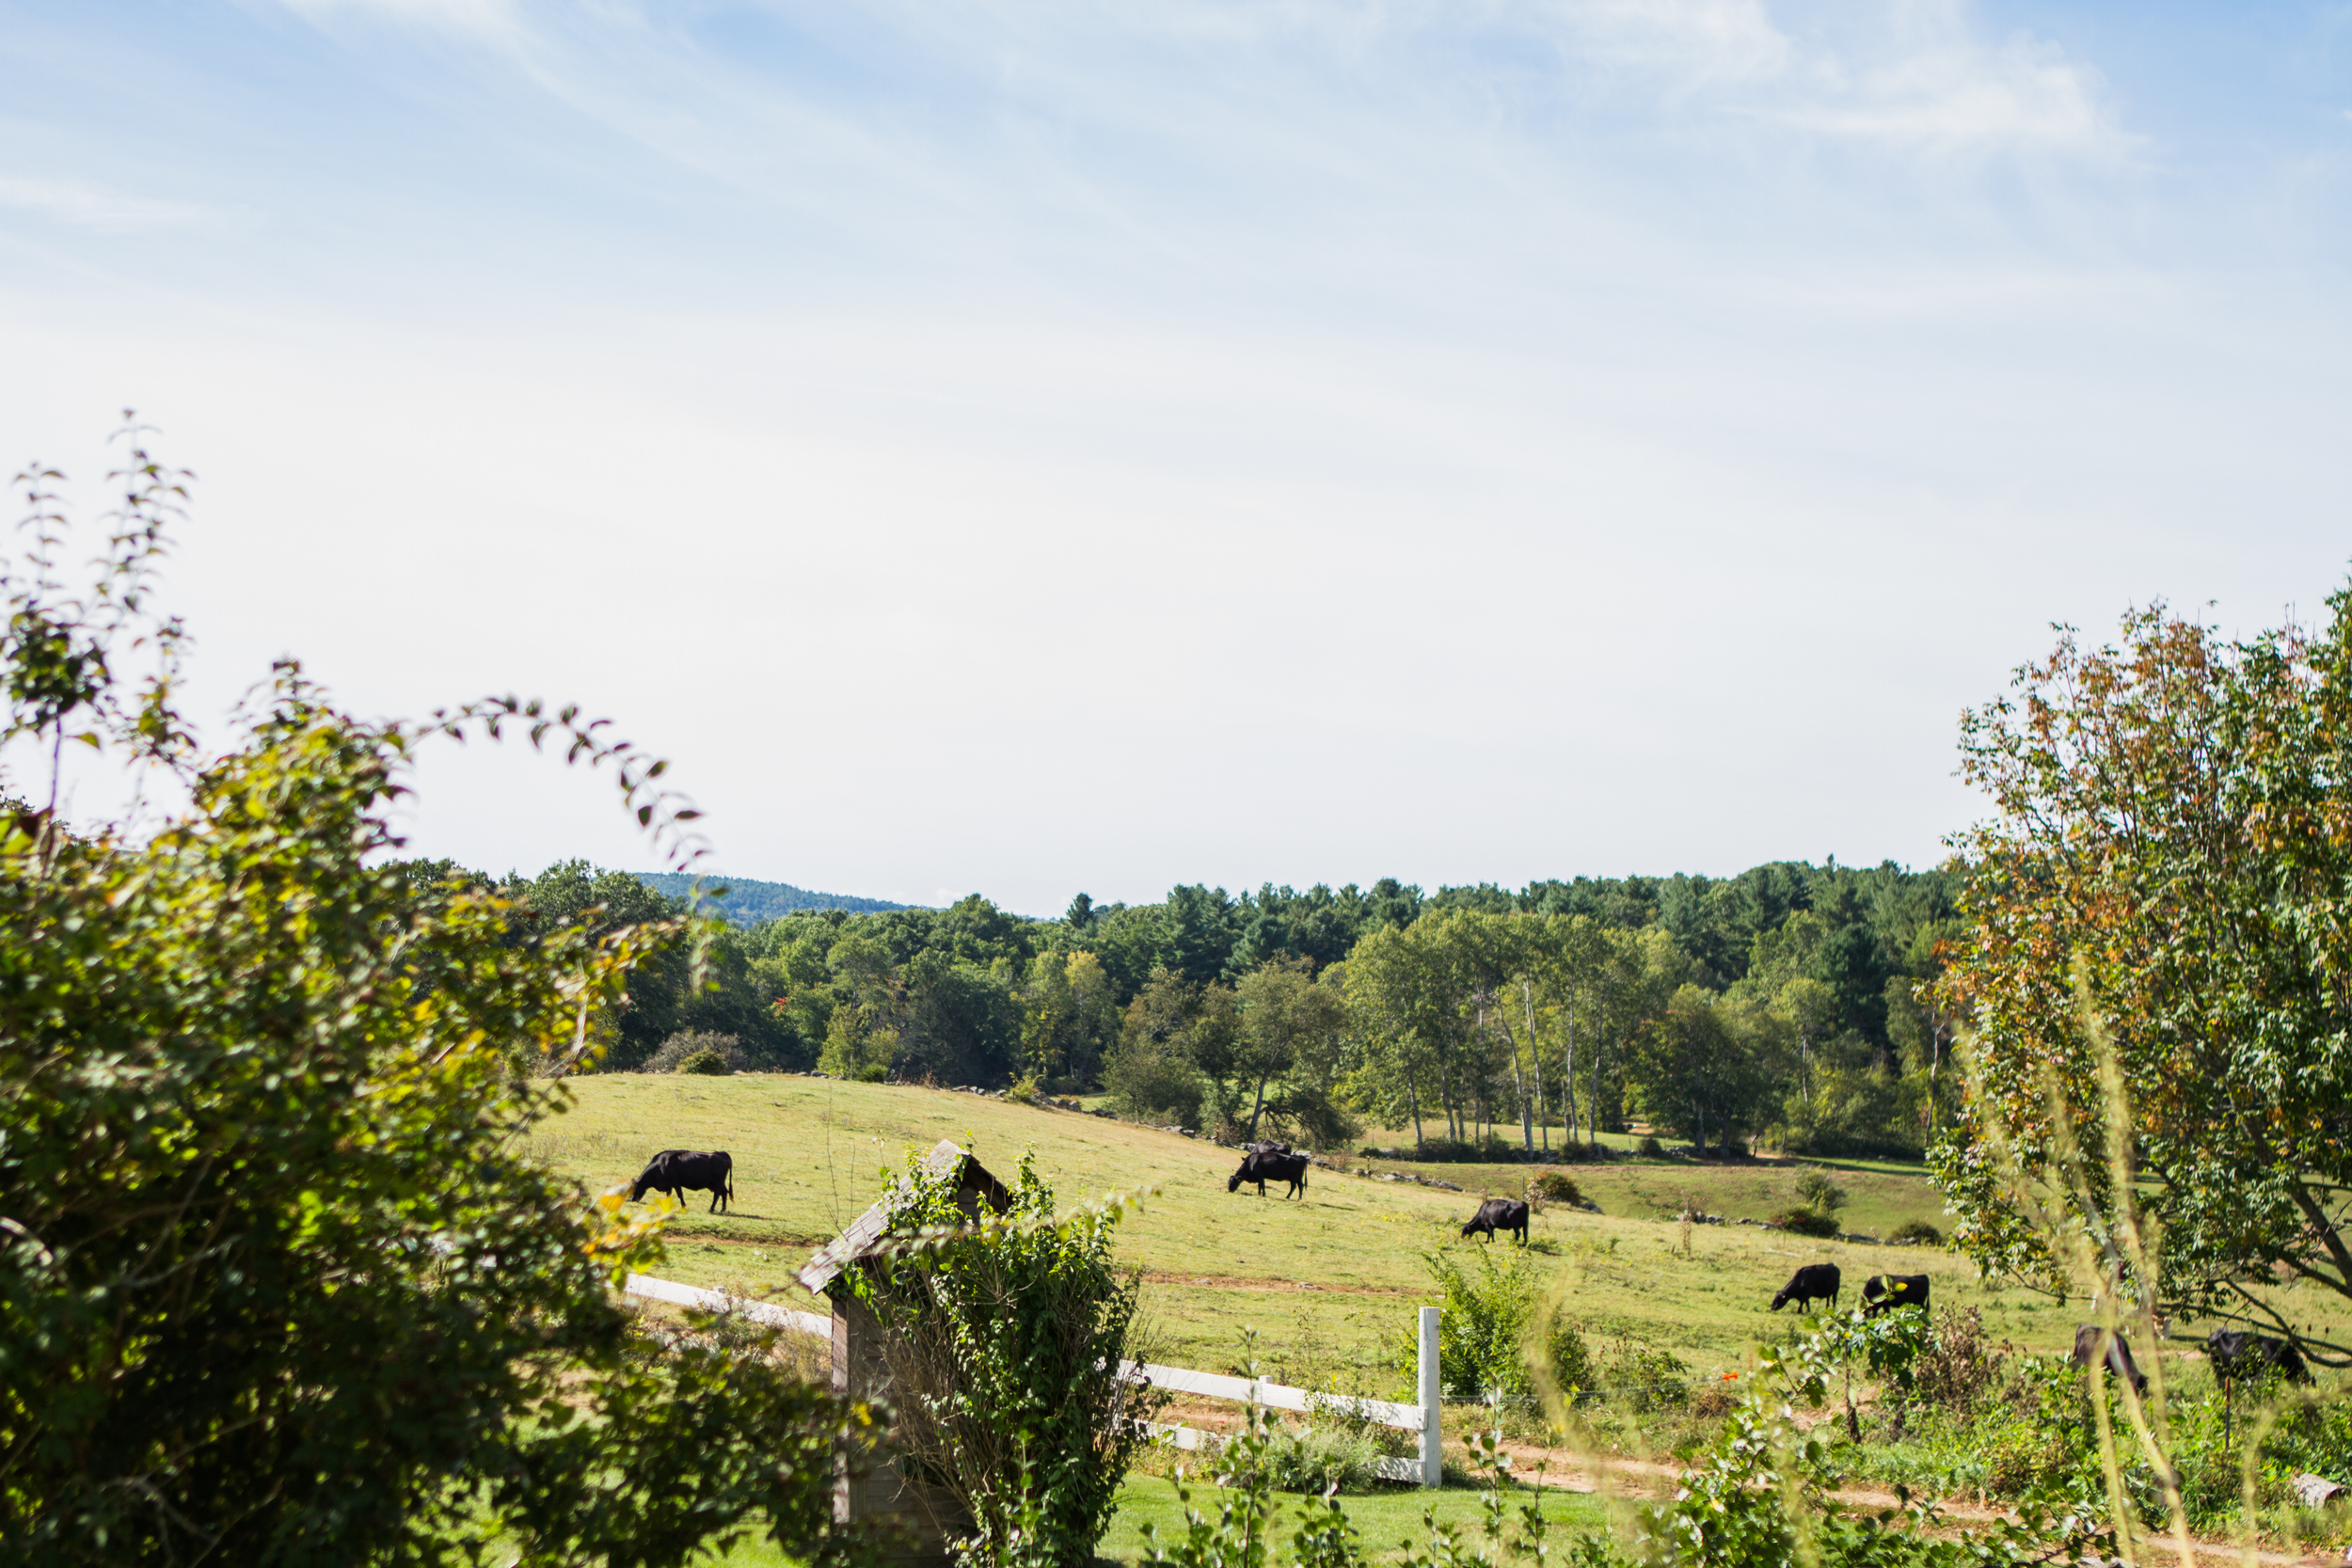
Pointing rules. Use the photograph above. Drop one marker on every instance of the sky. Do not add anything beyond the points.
(1058, 447)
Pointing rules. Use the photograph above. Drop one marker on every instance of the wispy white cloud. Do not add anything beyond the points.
(81, 205)
(1695, 43)
(1908, 74)
(1918, 72)
(1555, 362)
(484, 19)
(1936, 87)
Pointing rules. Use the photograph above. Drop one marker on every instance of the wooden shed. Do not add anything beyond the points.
(929, 1516)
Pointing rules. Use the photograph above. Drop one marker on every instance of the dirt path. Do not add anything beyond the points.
(1652, 1478)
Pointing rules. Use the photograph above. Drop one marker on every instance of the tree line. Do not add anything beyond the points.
(1786, 1001)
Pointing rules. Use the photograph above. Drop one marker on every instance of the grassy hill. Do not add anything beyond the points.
(1329, 1283)
(748, 902)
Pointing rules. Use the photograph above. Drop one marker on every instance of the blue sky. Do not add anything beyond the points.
(1050, 447)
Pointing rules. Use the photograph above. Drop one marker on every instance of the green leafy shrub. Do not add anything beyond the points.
(1495, 1328)
(277, 1285)
(1316, 1458)
(1554, 1186)
(1819, 1192)
(858, 1047)
(1241, 1534)
(1806, 1222)
(706, 1064)
(1002, 1347)
(1916, 1233)
(1153, 1081)
(1642, 1378)
(1959, 1368)
(2031, 1433)
(672, 1055)
(2028, 1459)
(1763, 1498)
(1650, 1149)
(1760, 1498)
(1448, 1151)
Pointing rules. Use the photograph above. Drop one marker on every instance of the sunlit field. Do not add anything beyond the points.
(1328, 1283)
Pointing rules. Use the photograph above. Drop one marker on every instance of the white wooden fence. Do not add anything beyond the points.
(1421, 1418)
(718, 1301)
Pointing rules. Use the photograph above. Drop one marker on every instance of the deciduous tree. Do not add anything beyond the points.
(278, 1283)
(2167, 861)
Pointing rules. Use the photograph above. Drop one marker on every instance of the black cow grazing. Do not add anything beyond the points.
(1499, 1214)
(1884, 1292)
(678, 1171)
(2236, 1353)
(1263, 1168)
(2120, 1360)
(1812, 1283)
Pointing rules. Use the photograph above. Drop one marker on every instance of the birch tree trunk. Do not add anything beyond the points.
(1518, 1075)
(1567, 1070)
(1535, 1049)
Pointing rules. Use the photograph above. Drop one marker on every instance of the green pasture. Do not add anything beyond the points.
(1882, 1193)
(1329, 1284)
(1384, 1521)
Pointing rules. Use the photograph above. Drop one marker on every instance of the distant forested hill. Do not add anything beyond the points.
(1793, 1005)
(748, 902)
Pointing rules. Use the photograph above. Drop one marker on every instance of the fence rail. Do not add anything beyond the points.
(1275, 1396)
(1422, 1417)
(718, 1301)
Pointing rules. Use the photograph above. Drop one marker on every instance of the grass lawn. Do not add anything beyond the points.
(1883, 1192)
(1329, 1283)
(1383, 1520)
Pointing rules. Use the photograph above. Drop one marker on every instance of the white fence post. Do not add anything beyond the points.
(1432, 1437)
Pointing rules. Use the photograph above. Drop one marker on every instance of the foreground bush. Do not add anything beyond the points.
(1001, 1348)
(1498, 1334)
(276, 1286)
(1759, 1498)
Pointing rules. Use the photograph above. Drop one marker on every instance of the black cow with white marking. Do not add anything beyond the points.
(2235, 1354)
(679, 1171)
(1499, 1214)
(1814, 1282)
(1264, 1167)
(1884, 1292)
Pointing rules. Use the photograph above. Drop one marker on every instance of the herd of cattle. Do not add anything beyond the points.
(2234, 1353)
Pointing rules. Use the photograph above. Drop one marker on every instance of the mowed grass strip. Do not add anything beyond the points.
(1329, 1283)
(1385, 1521)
